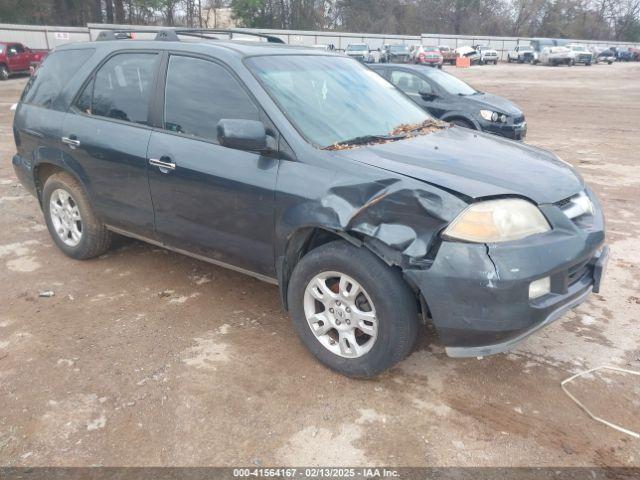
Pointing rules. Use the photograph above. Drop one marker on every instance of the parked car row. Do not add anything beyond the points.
(559, 52)
(431, 55)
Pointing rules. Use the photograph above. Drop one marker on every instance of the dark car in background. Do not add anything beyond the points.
(306, 169)
(449, 98)
(395, 54)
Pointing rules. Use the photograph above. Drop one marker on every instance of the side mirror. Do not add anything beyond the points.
(427, 95)
(242, 135)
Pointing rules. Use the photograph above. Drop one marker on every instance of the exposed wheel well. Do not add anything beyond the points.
(461, 119)
(301, 243)
(42, 172)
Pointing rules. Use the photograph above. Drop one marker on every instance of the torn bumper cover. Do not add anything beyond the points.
(478, 295)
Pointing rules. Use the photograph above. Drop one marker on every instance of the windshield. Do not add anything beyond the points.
(526, 48)
(399, 48)
(578, 48)
(331, 99)
(450, 83)
(356, 48)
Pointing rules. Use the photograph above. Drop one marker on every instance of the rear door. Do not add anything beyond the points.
(215, 201)
(106, 134)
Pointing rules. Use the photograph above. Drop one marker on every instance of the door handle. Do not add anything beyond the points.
(164, 167)
(72, 142)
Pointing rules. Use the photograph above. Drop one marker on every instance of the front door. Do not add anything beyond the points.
(16, 58)
(106, 135)
(211, 200)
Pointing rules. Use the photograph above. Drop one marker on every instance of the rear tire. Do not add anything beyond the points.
(380, 293)
(72, 223)
(4, 73)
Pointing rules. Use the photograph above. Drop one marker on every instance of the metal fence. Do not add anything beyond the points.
(50, 37)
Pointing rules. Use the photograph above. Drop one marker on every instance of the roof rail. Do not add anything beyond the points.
(202, 32)
(171, 34)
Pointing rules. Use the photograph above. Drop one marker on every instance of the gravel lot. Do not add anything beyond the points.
(146, 357)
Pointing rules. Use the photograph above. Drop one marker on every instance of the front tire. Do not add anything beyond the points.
(353, 312)
(4, 73)
(72, 223)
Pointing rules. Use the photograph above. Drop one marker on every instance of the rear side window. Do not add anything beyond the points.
(199, 93)
(54, 74)
(121, 88)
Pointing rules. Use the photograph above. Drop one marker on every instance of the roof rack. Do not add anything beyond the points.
(172, 34)
(203, 32)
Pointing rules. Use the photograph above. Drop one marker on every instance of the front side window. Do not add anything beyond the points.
(330, 99)
(409, 83)
(53, 75)
(200, 93)
(449, 83)
(121, 88)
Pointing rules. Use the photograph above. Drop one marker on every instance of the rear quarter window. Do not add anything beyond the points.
(53, 75)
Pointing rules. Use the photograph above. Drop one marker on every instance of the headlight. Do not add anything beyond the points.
(497, 221)
(491, 116)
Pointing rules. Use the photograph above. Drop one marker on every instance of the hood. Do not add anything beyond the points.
(475, 165)
(494, 102)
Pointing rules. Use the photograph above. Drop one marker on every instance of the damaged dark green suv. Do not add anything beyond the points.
(308, 170)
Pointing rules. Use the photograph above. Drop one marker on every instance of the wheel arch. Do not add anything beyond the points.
(305, 239)
(45, 169)
(299, 243)
(458, 116)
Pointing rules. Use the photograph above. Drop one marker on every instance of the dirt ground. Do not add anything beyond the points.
(146, 357)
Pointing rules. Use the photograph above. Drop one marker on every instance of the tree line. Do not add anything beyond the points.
(588, 19)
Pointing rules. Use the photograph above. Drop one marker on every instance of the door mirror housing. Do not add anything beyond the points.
(242, 135)
(427, 95)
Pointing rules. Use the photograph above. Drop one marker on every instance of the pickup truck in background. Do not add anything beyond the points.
(448, 54)
(580, 54)
(16, 58)
(521, 54)
(487, 54)
(555, 56)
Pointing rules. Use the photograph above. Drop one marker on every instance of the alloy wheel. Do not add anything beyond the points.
(65, 217)
(340, 314)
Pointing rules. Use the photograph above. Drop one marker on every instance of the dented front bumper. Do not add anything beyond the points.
(478, 295)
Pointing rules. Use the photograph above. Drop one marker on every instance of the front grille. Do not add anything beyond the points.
(578, 271)
(562, 203)
(584, 58)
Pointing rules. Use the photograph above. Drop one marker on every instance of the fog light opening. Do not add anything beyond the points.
(540, 287)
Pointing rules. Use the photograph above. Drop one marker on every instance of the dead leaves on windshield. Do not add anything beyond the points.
(405, 130)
